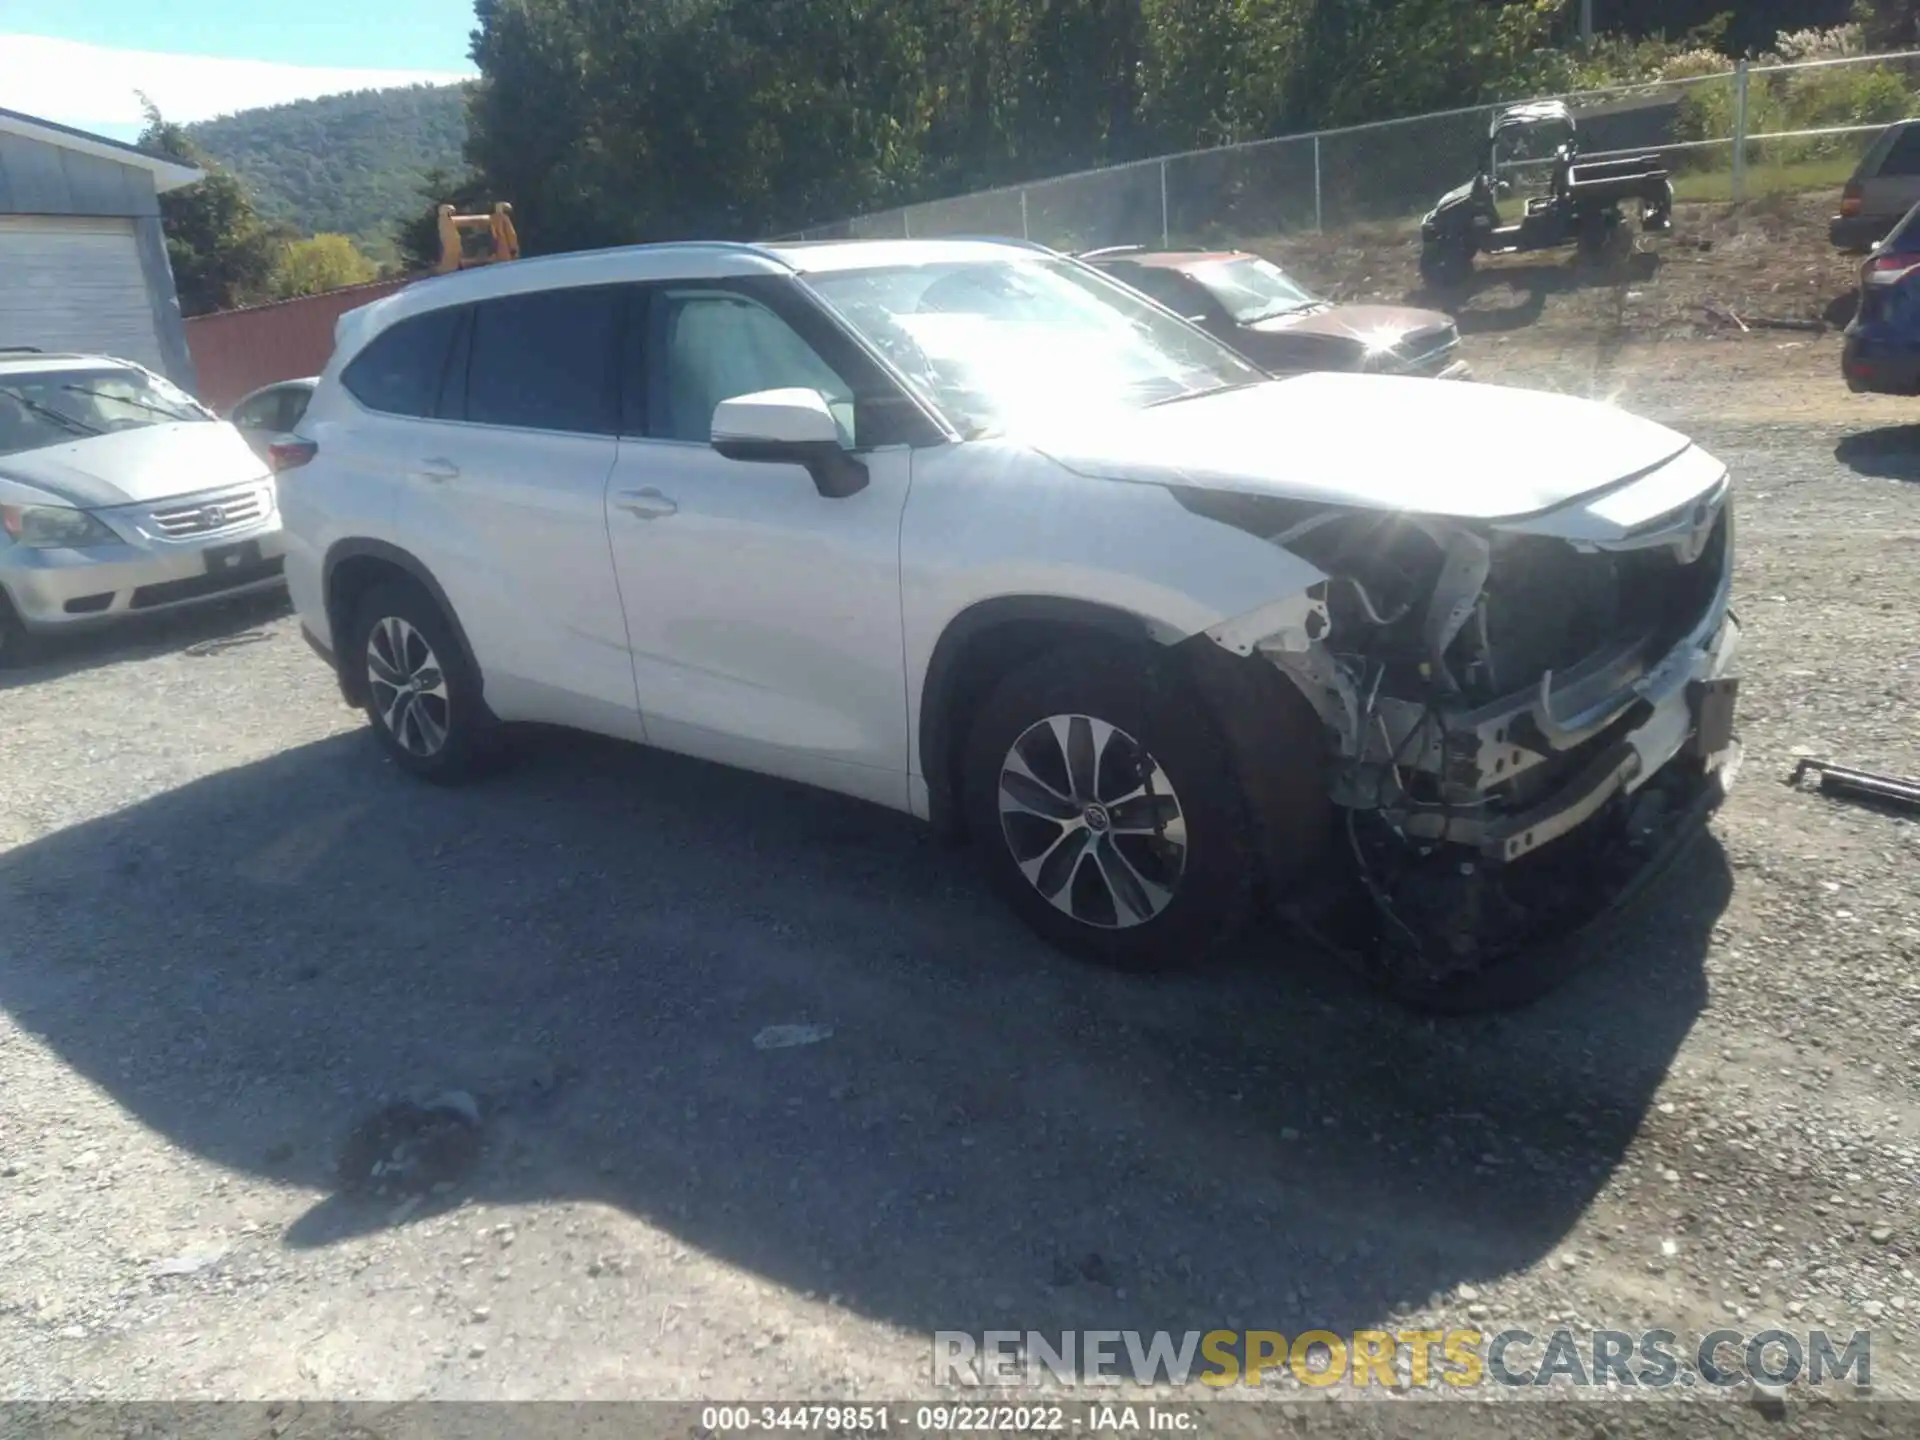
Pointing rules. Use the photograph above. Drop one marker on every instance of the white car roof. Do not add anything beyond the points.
(826, 256)
(677, 260)
(17, 362)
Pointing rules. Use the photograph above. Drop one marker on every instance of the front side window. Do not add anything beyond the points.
(57, 407)
(1253, 289)
(544, 361)
(399, 372)
(1002, 346)
(705, 346)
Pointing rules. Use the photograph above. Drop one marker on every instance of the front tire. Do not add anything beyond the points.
(1105, 810)
(420, 692)
(15, 642)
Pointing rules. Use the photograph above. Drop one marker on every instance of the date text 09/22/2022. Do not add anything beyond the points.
(1096, 1417)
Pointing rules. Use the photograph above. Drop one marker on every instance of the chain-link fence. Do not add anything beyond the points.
(1740, 133)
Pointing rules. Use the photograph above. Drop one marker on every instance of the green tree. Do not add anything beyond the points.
(346, 164)
(618, 120)
(221, 251)
(326, 262)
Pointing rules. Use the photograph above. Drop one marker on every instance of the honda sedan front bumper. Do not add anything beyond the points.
(181, 551)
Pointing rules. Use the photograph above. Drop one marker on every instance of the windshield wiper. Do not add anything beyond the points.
(1278, 310)
(109, 396)
(1205, 390)
(71, 423)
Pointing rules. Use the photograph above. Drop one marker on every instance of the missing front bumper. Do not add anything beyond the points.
(1684, 705)
(1452, 903)
(1454, 937)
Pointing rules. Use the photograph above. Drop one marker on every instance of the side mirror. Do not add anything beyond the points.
(792, 427)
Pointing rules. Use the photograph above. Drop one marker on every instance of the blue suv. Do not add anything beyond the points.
(1882, 349)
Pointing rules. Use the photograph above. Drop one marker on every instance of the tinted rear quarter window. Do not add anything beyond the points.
(544, 361)
(399, 371)
(1903, 156)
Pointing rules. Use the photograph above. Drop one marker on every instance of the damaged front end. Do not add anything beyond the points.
(1526, 716)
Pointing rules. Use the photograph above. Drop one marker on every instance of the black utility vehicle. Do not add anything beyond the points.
(1584, 204)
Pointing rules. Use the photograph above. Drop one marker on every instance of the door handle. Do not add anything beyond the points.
(647, 504)
(437, 469)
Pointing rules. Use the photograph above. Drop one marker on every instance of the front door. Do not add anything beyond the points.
(764, 617)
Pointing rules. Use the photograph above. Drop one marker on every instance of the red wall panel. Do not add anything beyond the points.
(236, 351)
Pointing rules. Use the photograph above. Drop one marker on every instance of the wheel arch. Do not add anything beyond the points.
(353, 567)
(979, 645)
(1262, 716)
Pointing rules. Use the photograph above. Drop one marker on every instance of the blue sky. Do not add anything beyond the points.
(80, 61)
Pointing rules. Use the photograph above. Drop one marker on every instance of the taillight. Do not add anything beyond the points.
(290, 454)
(1850, 199)
(1889, 269)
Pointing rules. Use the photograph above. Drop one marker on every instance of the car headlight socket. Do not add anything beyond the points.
(53, 527)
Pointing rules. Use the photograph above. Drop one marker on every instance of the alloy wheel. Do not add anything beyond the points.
(408, 686)
(1092, 821)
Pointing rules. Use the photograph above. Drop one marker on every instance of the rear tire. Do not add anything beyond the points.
(422, 695)
(1595, 235)
(1105, 810)
(1446, 264)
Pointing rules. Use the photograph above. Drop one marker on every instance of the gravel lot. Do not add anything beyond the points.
(229, 933)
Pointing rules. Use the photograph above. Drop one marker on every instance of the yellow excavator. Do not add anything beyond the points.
(502, 242)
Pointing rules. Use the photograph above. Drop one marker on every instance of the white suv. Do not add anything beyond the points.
(969, 530)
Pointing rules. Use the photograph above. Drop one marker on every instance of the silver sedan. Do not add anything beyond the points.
(119, 493)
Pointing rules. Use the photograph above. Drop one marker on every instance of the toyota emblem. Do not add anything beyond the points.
(213, 515)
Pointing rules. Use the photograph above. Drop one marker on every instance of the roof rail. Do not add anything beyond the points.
(21, 350)
(763, 249)
(1014, 240)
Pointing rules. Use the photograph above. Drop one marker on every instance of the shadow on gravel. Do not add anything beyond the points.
(1889, 453)
(140, 637)
(1503, 297)
(589, 946)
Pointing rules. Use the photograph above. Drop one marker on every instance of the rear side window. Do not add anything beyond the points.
(399, 372)
(1179, 293)
(1903, 158)
(544, 361)
(260, 413)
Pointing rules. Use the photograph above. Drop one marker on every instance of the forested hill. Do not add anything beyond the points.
(348, 164)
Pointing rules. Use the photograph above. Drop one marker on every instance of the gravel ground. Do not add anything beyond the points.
(231, 933)
(1768, 260)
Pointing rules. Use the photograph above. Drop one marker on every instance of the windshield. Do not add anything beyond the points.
(1531, 143)
(56, 407)
(1001, 346)
(1253, 289)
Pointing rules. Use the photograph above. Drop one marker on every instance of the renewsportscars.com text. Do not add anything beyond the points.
(1463, 1359)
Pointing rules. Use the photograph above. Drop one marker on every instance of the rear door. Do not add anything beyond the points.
(504, 498)
(1893, 186)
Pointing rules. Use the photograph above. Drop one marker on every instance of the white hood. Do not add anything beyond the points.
(1378, 442)
(154, 462)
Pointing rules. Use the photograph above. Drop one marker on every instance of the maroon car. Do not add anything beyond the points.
(1280, 325)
